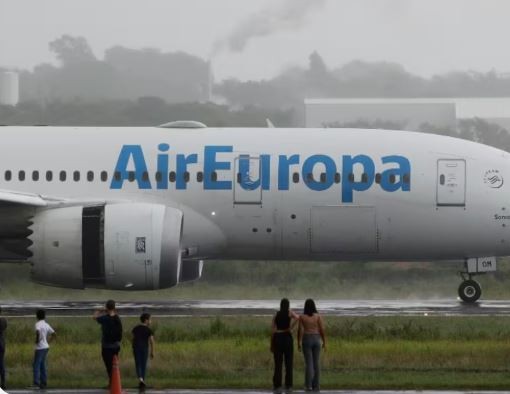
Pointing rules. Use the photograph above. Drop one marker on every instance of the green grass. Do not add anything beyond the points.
(362, 353)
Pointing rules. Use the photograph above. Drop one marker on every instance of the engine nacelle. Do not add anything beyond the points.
(131, 246)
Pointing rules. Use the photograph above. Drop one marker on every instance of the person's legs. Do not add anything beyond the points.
(289, 356)
(2, 368)
(36, 366)
(278, 361)
(107, 355)
(44, 374)
(141, 355)
(316, 352)
(144, 355)
(308, 356)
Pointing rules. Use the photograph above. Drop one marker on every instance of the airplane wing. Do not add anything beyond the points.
(30, 199)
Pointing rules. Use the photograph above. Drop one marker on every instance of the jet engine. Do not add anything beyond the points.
(132, 246)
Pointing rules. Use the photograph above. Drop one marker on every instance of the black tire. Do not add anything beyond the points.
(470, 291)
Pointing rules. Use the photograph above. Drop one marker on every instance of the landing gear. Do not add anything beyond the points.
(470, 291)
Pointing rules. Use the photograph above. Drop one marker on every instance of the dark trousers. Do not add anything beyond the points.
(283, 353)
(141, 355)
(107, 354)
(2, 367)
(40, 374)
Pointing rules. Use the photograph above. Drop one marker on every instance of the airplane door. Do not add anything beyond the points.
(247, 185)
(451, 182)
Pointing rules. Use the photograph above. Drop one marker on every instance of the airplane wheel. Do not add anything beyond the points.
(470, 291)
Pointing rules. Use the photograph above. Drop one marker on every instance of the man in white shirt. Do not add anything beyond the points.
(43, 334)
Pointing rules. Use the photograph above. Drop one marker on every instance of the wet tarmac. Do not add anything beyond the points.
(444, 307)
(252, 392)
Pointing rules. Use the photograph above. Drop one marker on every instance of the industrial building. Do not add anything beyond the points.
(409, 113)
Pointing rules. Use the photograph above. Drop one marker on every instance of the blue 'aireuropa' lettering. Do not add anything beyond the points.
(319, 172)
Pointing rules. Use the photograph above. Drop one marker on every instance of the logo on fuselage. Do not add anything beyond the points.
(493, 179)
(352, 173)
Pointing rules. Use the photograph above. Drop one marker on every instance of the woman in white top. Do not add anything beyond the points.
(310, 334)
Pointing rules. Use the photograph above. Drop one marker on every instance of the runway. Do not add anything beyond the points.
(267, 307)
(252, 392)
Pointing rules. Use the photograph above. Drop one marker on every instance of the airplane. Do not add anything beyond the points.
(143, 208)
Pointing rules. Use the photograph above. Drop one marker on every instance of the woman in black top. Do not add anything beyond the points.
(282, 345)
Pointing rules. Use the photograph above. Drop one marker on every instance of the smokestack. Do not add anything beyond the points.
(210, 81)
(9, 88)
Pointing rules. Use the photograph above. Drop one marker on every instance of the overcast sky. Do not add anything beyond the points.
(426, 36)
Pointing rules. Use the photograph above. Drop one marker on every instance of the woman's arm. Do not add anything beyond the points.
(322, 333)
(300, 333)
(294, 318)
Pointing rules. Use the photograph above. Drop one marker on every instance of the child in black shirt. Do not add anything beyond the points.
(143, 338)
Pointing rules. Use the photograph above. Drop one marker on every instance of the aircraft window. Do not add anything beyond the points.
(407, 179)
(238, 177)
(117, 175)
(323, 177)
(186, 176)
(351, 177)
(8, 175)
(63, 176)
(171, 176)
(255, 229)
(309, 177)
(337, 178)
(21, 175)
(90, 176)
(49, 176)
(159, 176)
(76, 176)
(295, 177)
(442, 179)
(145, 176)
(104, 176)
(364, 177)
(377, 178)
(131, 176)
(200, 176)
(35, 176)
(393, 178)
(214, 176)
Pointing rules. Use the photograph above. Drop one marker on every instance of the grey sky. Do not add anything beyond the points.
(426, 36)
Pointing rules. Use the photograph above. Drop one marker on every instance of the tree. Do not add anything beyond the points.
(72, 50)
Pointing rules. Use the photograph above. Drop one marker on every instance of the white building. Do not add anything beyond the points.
(9, 88)
(408, 112)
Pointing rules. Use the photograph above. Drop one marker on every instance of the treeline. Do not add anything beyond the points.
(177, 77)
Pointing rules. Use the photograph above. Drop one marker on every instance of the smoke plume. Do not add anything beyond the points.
(288, 16)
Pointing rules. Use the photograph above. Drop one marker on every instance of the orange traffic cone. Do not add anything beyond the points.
(115, 385)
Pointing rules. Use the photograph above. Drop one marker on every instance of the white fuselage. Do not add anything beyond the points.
(241, 198)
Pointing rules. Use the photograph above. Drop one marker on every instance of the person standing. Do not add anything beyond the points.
(44, 333)
(3, 328)
(282, 345)
(111, 329)
(310, 334)
(143, 339)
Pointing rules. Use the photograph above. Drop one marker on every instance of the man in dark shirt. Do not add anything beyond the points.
(143, 337)
(111, 328)
(3, 327)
